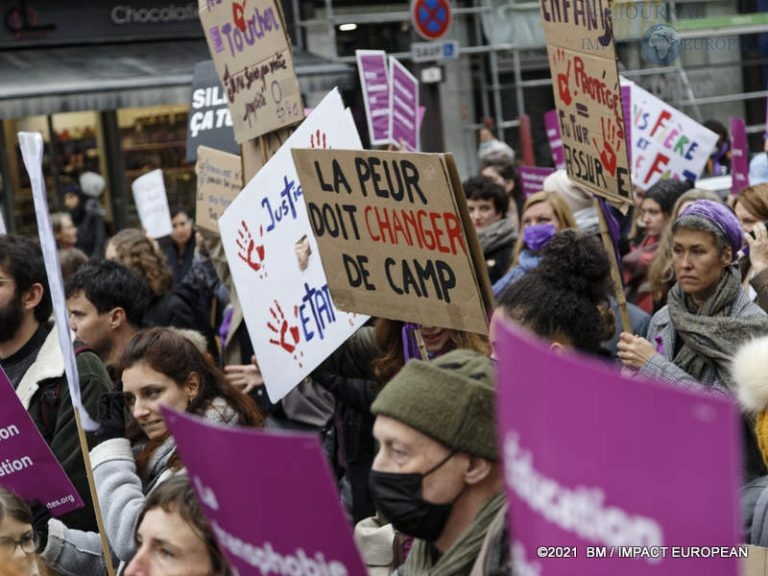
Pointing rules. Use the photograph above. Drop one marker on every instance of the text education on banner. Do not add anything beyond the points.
(31, 144)
(27, 465)
(603, 495)
(292, 320)
(152, 204)
(739, 155)
(588, 96)
(252, 53)
(404, 121)
(374, 79)
(392, 229)
(280, 509)
(210, 122)
(219, 181)
(665, 142)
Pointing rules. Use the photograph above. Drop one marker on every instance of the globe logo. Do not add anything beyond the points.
(661, 44)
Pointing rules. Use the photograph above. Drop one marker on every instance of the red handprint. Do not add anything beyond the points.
(238, 14)
(286, 336)
(318, 140)
(613, 134)
(563, 80)
(248, 251)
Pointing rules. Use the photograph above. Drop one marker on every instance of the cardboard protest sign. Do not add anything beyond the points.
(404, 101)
(252, 53)
(210, 122)
(152, 204)
(292, 320)
(27, 466)
(665, 142)
(739, 155)
(392, 229)
(280, 510)
(582, 59)
(552, 126)
(532, 178)
(599, 491)
(374, 79)
(219, 181)
(31, 144)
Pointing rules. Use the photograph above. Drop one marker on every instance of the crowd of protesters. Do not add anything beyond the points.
(409, 430)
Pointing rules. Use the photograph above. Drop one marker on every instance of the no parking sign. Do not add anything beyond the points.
(431, 18)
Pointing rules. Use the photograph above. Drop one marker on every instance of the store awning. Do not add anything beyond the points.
(105, 77)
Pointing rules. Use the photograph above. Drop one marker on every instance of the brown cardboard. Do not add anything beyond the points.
(420, 269)
(756, 563)
(256, 153)
(219, 181)
(585, 82)
(252, 54)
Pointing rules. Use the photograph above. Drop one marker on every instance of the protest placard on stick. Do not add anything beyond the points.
(374, 80)
(219, 181)
(152, 204)
(395, 236)
(252, 53)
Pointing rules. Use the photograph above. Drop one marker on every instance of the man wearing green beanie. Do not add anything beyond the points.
(436, 476)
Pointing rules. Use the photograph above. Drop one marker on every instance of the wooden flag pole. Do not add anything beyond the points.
(420, 343)
(94, 496)
(618, 286)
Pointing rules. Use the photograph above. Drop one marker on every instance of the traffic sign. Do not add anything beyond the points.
(431, 51)
(431, 18)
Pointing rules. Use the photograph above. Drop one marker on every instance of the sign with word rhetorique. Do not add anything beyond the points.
(28, 468)
(293, 321)
(392, 229)
(313, 536)
(219, 181)
(582, 59)
(252, 54)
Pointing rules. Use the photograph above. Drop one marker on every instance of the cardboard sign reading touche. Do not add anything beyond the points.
(391, 228)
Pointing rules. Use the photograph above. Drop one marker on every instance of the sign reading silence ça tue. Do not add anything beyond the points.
(395, 236)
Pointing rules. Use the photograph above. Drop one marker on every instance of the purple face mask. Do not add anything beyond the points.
(537, 236)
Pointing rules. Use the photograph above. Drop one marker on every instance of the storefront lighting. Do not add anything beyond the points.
(348, 27)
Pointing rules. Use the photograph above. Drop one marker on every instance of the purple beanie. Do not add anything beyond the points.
(722, 217)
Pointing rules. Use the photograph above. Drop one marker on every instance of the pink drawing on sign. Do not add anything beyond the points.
(286, 336)
(318, 140)
(248, 251)
(613, 134)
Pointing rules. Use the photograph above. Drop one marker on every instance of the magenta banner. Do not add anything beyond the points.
(27, 466)
(555, 141)
(269, 497)
(532, 178)
(609, 476)
(404, 99)
(739, 155)
(626, 105)
(374, 79)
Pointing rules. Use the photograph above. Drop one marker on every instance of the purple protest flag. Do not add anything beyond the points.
(739, 155)
(555, 140)
(607, 475)
(404, 102)
(613, 227)
(626, 106)
(532, 178)
(28, 468)
(374, 79)
(269, 497)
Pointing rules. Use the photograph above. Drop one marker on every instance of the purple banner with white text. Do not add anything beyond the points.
(739, 155)
(404, 99)
(555, 140)
(607, 475)
(532, 178)
(374, 79)
(28, 468)
(269, 497)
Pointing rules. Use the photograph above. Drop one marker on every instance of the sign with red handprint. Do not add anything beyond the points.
(275, 262)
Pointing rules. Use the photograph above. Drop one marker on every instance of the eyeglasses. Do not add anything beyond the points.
(28, 544)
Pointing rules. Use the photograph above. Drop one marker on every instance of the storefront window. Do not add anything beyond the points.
(154, 138)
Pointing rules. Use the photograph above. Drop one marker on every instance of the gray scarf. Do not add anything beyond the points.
(459, 558)
(494, 236)
(710, 335)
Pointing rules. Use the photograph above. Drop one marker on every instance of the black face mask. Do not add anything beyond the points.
(398, 498)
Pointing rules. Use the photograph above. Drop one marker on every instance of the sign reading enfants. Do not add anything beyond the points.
(390, 227)
(582, 59)
(252, 53)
